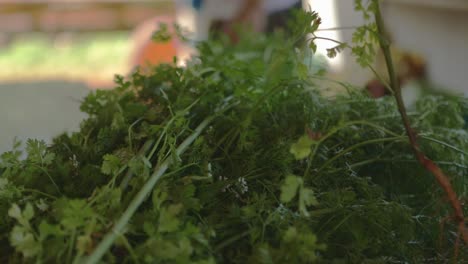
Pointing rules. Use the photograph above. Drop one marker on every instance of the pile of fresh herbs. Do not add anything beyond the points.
(236, 158)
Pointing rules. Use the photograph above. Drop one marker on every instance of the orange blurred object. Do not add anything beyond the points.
(147, 52)
(154, 53)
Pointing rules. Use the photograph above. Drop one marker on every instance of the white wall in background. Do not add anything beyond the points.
(437, 29)
(39, 110)
(440, 33)
(339, 14)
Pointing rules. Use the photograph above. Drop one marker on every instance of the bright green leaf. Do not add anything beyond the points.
(28, 212)
(158, 197)
(46, 230)
(110, 164)
(289, 188)
(290, 234)
(185, 247)
(48, 158)
(302, 71)
(168, 222)
(313, 46)
(24, 242)
(302, 148)
(15, 212)
(306, 198)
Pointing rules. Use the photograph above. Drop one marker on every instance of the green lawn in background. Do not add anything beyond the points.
(44, 78)
(65, 56)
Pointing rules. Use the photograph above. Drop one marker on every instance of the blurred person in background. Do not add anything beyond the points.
(224, 16)
(203, 17)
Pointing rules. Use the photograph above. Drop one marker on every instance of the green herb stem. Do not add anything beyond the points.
(120, 225)
(360, 144)
(442, 179)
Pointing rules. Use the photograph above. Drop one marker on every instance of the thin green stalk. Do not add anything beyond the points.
(166, 127)
(39, 192)
(342, 84)
(444, 144)
(381, 80)
(130, 250)
(130, 131)
(365, 162)
(71, 246)
(394, 84)
(122, 222)
(129, 174)
(442, 179)
(360, 144)
(232, 240)
(385, 83)
(50, 177)
(328, 39)
(336, 130)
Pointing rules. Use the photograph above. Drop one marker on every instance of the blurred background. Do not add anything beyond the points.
(53, 52)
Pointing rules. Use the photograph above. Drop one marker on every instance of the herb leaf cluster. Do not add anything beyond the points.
(282, 174)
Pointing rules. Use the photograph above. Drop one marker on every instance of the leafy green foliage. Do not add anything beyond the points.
(366, 36)
(302, 148)
(255, 187)
(22, 236)
(162, 34)
(110, 164)
(293, 186)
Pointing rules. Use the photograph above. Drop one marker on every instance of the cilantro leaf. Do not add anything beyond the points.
(168, 221)
(23, 240)
(302, 148)
(289, 188)
(110, 164)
